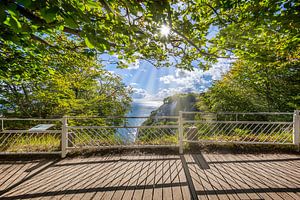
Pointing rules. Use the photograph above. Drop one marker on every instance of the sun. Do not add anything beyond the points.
(164, 30)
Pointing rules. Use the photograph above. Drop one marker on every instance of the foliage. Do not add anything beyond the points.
(58, 81)
(260, 37)
(32, 143)
(260, 30)
(250, 86)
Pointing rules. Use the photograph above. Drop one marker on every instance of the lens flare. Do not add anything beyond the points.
(164, 30)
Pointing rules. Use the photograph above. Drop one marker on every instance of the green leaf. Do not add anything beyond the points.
(25, 3)
(2, 13)
(49, 14)
(88, 43)
(13, 22)
(70, 22)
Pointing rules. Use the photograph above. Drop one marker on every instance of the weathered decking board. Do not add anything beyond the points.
(198, 176)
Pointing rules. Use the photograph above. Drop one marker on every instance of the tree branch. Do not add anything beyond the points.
(106, 6)
(28, 14)
(194, 45)
(214, 10)
(72, 31)
(34, 37)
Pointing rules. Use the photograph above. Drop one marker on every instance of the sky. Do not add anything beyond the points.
(152, 85)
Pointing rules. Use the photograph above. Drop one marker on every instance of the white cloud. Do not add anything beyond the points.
(167, 79)
(218, 70)
(133, 84)
(132, 66)
(139, 93)
(185, 78)
(184, 81)
(198, 76)
(178, 90)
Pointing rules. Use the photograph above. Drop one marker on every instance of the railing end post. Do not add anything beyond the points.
(180, 130)
(296, 128)
(64, 136)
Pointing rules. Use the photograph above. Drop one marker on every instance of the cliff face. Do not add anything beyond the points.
(173, 104)
(171, 107)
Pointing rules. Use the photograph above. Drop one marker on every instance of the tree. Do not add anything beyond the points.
(67, 82)
(251, 86)
(131, 28)
(264, 35)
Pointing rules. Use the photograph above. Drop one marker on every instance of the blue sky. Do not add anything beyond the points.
(151, 84)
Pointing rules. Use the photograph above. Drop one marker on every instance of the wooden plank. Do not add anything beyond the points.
(83, 188)
(113, 179)
(66, 186)
(287, 173)
(207, 188)
(272, 172)
(9, 173)
(140, 181)
(215, 183)
(89, 185)
(101, 177)
(118, 194)
(188, 178)
(197, 180)
(157, 192)
(119, 179)
(224, 180)
(18, 187)
(249, 184)
(174, 179)
(149, 179)
(234, 181)
(19, 175)
(36, 181)
(156, 177)
(132, 180)
(166, 179)
(256, 175)
(182, 179)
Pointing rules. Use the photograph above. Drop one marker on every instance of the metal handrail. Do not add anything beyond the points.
(30, 119)
(95, 127)
(28, 131)
(241, 113)
(233, 122)
(121, 117)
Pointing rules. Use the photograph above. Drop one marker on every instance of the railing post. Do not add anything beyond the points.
(180, 130)
(296, 127)
(64, 137)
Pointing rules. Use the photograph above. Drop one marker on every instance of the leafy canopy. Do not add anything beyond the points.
(58, 81)
(261, 37)
(261, 30)
(254, 87)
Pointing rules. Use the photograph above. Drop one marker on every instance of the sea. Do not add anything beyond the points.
(142, 109)
(138, 109)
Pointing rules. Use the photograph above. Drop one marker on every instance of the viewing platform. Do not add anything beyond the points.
(189, 176)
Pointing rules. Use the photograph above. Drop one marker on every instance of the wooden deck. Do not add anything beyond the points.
(196, 176)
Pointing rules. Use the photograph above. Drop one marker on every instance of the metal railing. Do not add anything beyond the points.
(240, 128)
(77, 133)
(121, 133)
(16, 137)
